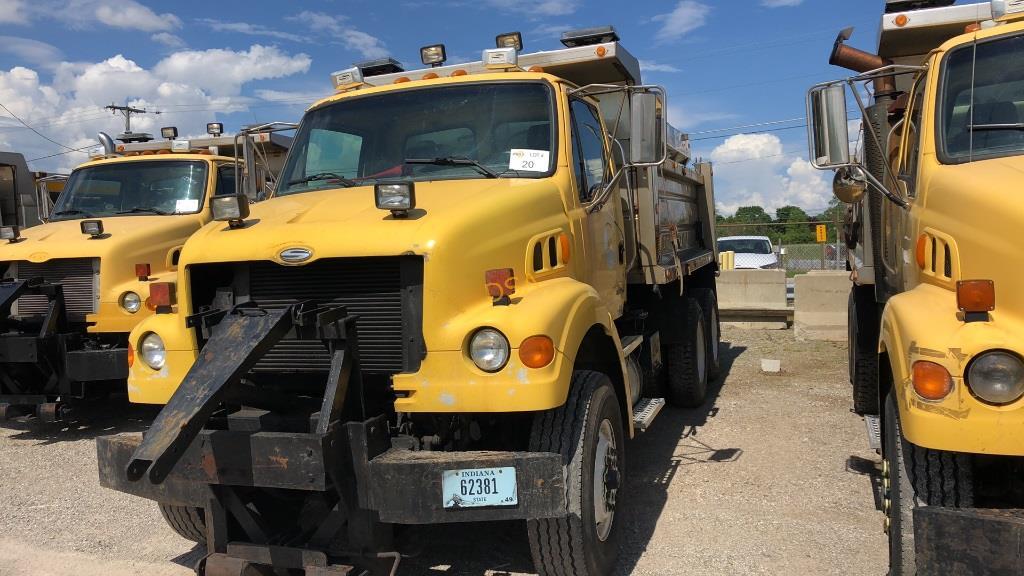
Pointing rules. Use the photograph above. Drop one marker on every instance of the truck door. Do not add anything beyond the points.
(907, 172)
(604, 239)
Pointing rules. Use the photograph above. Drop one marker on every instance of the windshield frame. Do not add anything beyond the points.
(552, 94)
(940, 104)
(202, 198)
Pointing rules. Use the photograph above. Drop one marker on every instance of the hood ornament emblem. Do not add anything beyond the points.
(294, 255)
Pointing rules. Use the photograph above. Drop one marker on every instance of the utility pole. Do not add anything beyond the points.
(127, 112)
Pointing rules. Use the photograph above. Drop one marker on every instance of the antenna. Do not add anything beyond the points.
(127, 112)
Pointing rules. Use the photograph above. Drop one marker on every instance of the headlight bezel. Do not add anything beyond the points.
(475, 346)
(123, 301)
(151, 346)
(972, 380)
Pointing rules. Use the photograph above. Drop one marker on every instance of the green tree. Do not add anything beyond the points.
(791, 225)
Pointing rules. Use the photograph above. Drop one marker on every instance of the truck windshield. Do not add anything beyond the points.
(982, 100)
(128, 188)
(484, 130)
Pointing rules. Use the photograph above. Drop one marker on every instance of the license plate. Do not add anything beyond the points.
(476, 487)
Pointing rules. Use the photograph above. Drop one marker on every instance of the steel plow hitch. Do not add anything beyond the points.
(240, 339)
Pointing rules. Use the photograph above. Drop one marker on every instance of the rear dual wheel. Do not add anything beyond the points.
(188, 522)
(587, 431)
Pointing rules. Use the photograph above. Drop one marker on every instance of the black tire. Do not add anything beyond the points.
(187, 521)
(708, 301)
(918, 477)
(686, 361)
(863, 349)
(571, 546)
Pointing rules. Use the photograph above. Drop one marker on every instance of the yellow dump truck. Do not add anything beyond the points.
(75, 286)
(936, 308)
(472, 284)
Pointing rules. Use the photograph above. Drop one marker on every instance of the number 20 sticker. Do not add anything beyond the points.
(528, 160)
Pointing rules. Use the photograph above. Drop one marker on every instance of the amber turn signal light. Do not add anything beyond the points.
(931, 381)
(976, 295)
(131, 355)
(922, 244)
(501, 282)
(537, 351)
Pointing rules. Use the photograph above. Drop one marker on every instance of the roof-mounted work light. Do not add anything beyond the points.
(380, 66)
(589, 36)
(433, 55)
(215, 128)
(169, 132)
(347, 78)
(509, 40)
(501, 58)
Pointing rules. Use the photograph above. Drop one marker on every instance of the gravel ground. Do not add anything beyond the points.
(772, 476)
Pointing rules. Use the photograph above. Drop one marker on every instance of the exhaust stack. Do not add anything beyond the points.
(107, 142)
(860, 61)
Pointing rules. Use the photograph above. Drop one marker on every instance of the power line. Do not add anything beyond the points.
(38, 133)
(82, 149)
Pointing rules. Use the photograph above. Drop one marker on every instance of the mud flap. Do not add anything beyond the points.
(969, 541)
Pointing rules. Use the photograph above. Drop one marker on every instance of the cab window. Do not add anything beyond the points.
(912, 126)
(225, 180)
(588, 150)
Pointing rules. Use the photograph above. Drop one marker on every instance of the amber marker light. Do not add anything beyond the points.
(976, 295)
(162, 295)
(537, 351)
(563, 240)
(537, 69)
(902, 20)
(931, 381)
(430, 76)
(500, 282)
(459, 72)
(922, 243)
(131, 355)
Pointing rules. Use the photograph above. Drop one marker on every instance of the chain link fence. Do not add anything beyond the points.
(794, 245)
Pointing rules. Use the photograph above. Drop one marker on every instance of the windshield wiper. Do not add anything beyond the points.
(156, 211)
(454, 161)
(323, 176)
(72, 212)
(1011, 126)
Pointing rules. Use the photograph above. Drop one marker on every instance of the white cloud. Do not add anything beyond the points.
(189, 88)
(688, 117)
(125, 14)
(250, 29)
(13, 12)
(289, 97)
(537, 7)
(220, 71)
(31, 51)
(781, 3)
(687, 16)
(340, 28)
(755, 170)
(652, 66)
(167, 39)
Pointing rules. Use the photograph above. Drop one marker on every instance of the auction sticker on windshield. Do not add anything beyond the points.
(186, 205)
(528, 160)
(472, 488)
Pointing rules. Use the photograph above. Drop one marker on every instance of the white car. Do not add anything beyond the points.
(752, 252)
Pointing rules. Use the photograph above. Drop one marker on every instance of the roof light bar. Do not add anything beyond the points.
(589, 36)
(380, 66)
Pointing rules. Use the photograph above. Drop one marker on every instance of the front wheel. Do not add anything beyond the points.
(187, 521)
(913, 476)
(587, 431)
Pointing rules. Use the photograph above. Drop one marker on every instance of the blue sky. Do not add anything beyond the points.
(726, 64)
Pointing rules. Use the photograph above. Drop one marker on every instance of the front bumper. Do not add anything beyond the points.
(402, 486)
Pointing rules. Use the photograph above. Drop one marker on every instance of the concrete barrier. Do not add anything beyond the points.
(753, 290)
(820, 305)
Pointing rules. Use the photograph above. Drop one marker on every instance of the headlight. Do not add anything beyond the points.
(152, 351)
(996, 377)
(489, 350)
(131, 302)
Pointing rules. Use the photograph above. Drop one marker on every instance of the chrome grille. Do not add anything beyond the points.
(79, 277)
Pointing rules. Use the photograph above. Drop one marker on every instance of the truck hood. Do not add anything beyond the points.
(345, 222)
(64, 239)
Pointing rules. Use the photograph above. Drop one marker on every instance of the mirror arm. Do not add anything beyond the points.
(894, 198)
(602, 198)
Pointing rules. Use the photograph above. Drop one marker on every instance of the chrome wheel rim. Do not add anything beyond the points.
(606, 480)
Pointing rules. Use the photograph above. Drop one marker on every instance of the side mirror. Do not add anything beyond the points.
(849, 185)
(647, 142)
(827, 129)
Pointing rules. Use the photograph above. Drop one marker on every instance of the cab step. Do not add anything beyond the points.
(871, 422)
(645, 411)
